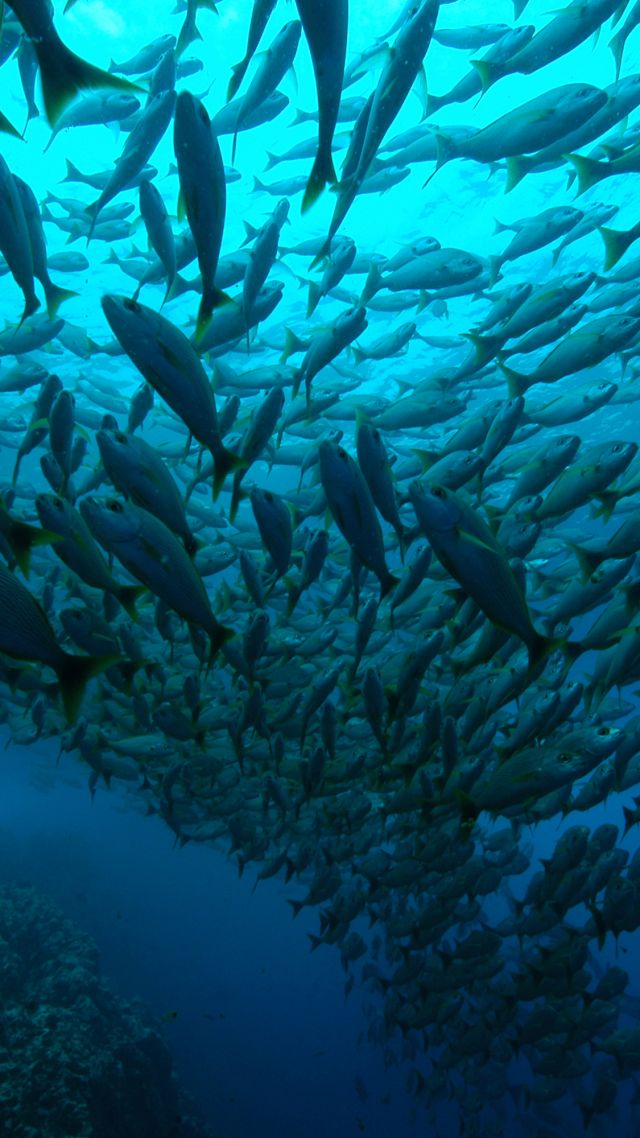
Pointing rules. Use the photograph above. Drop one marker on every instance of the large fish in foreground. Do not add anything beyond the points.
(204, 195)
(149, 550)
(465, 545)
(26, 634)
(325, 28)
(351, 505)
(170, 364)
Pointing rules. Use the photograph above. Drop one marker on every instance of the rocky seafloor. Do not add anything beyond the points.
(76, 1061)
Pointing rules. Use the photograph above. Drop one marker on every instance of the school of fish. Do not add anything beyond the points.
(350, 593)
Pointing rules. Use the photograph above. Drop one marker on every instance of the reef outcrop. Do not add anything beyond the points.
(76, 1061)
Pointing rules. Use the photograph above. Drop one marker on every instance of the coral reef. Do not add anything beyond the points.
(75, 1060)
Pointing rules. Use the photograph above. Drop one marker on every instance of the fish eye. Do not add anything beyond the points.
(115, 507)
(565, 757)
(130, 304)
(604, 731)
(438, 492)
(616, 448)
(121, 438)
(268, 496)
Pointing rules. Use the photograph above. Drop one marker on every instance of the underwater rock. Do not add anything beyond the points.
(76, 1061)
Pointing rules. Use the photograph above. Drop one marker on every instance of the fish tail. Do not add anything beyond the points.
(64, 74)
(292, 343)
(587, 560)
(93, 210)
(495, 265)
(31, 305)
(517, 383)
(616, 243)
(388, 582)
(219, 635)
(74, 673)
(599, 922)
(56, 296)
(16, 469)
(469, 812)
(434, 102)
(589, 171)
(608, 500)
(322, 171)
(373, 283)
(322, 253)
(488, 73)
(189, 32)
(73, 174)
(211, 298)
(8, 128)
(571, 649)
(292, 600)
(224, 462)
(128, 595)
(617, 47)
(22, 538)
(485, 346)
(238, 72)
(315, 292)
(541, 647)
(517, 169)
(236, 497)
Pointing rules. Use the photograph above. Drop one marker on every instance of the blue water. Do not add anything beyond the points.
(264, 1038)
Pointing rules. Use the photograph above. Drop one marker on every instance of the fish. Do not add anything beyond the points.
(394, 85)
(326, 35)
(28, 635)
(138, 472)
(92, 109)
(156, 219)
(352, 508)
(260, 13)
(15, 243)
(136, 152)
(77, 549)
(148, 549)
(275, 63)
(203, 191)
(166, 359)
(465, 545)
(63, 74)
